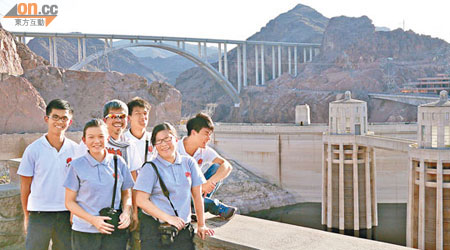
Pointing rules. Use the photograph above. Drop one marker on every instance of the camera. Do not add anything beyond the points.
(168, 233)
(113, 214)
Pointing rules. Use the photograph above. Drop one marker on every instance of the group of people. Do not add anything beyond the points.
(120, 188)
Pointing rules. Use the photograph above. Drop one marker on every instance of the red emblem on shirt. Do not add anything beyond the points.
(200, 161)
(114, 175)
(68, 160)
(188, 174)
(114, 152)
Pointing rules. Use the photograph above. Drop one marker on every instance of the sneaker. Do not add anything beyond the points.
(227, 212)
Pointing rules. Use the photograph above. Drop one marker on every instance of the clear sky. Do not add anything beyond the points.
(227, 19)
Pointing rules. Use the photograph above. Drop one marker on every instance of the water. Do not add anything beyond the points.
(391, 220)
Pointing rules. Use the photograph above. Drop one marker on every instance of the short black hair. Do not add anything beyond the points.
(138, 102)
(114, 104)
(94, 123)
(58, 104)
(161, 127)
(201, 120)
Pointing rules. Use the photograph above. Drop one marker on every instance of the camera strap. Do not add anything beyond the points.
(163, 187)
(145, 154)
(115, 181)
(146, 150)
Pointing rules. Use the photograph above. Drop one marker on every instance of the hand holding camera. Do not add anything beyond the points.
(111, 213)
(177, 222)
(102, 226)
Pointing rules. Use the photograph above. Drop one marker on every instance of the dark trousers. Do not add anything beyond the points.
(97, 241)
(151, 238)
(43, 226)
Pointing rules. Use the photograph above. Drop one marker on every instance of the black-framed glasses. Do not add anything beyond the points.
(160, 141)
(59, 118)
(116, 116)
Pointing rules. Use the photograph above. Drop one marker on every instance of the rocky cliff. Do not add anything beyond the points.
(89, 91)
(10, 62)
(28, 82)
(354, 56)
(22, 106)
(251, 193)
(301, 24)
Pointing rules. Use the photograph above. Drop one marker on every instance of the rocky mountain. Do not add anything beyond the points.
(121, 60)
(172, 66)
(21, 105)
(89, 91)
(354, 55)
(355, 41)
(27, 82)
(10, 62)
(301, 24)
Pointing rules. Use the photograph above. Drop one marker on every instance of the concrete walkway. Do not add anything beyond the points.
(243, 232)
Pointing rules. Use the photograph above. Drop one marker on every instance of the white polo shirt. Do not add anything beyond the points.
(48, 168)
(203, 156)
(137, 150)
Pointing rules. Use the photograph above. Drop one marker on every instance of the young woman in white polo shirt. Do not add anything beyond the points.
(183, 180)
(89, 189)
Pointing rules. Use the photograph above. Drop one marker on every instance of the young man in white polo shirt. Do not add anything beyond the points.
(214, 167)
(138, 137)
(42, 173)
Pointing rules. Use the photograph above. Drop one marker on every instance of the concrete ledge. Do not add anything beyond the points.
(13, 166)
(243, 232)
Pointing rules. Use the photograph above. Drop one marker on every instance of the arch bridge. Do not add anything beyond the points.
(294, 53)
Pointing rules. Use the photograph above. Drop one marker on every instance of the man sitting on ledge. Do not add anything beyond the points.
(214, 167)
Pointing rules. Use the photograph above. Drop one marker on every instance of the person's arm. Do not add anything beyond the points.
(135, 218)
(97, 221)
(143, 201)
(202, 230)
(25, 190)
(223, 172)
(126, 209)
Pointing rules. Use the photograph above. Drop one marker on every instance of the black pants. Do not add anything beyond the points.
(151, 238)
(43, 226)
(97, 241)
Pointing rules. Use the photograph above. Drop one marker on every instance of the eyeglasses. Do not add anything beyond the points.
(59, 118)
(160, 141)
(116, 116)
